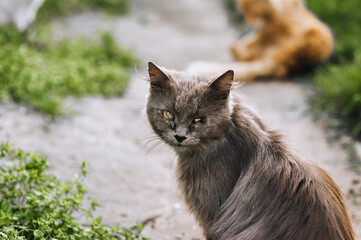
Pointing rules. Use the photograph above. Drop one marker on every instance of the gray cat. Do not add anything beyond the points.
(238, 178)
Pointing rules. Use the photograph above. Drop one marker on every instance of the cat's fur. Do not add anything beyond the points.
(289, 39)
(237, 176)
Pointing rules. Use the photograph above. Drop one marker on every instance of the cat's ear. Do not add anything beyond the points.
(221, 87)
(155, 72)
(157, 78)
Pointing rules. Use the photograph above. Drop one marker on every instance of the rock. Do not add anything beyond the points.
(358, 150)
(19, 12)
(355, 181)
(345, 141)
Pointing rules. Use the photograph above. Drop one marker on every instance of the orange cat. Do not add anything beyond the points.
(289, 38)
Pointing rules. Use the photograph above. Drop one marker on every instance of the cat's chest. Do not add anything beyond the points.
(207, 181)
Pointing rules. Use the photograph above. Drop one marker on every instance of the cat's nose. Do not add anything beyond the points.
(180, 138)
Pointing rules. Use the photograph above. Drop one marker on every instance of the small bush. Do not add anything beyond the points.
(36, 205)
(338, 85)
(44, 74)
(54, 8)
(339, 92)
(234, 15)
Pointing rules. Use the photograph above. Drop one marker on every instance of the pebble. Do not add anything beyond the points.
(358, 150)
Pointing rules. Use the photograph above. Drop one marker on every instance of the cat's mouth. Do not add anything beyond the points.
(178, 145)
(182, 146)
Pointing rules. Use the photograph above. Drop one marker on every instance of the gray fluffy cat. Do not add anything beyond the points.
(238, 178)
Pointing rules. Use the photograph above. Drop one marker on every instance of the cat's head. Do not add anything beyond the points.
(260, 12)
(256, 12)
(188, 111)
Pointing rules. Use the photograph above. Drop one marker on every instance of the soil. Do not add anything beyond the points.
(131, 173)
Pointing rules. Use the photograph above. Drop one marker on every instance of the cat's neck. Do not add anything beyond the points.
(244, 136)
(208, 175)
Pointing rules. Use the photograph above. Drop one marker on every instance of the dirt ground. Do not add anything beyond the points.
(131, 174)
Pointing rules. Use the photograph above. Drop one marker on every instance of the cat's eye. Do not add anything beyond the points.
(199, 120)
(168, 115)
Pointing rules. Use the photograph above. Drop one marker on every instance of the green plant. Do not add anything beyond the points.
(233, 14)
(338, 90)
(54, 8)
(338, 84)
(37, 205)
(42, 74)
(110, 6)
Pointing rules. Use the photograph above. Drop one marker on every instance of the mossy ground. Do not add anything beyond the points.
(41, 73)
(35, 204)
(338, 84)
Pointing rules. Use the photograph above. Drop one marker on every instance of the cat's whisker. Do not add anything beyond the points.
(156, 144)
(151, 142)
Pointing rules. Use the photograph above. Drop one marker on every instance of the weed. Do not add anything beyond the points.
(37, 205)
(338, 84)
(44, 76)
(56, 8)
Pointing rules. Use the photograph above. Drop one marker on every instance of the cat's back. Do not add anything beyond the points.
(308, 203)
(293, 199)
(318, 202)
(281, 196)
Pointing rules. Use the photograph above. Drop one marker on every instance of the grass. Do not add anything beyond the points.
(43, 76)
(52, 8)
(35, 204)
(338, 91)
(234, 16)
(338, 84)
(42, 73)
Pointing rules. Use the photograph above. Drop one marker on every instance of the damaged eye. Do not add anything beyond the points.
(199, 120)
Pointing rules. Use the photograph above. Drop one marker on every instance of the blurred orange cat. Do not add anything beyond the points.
(289, 38)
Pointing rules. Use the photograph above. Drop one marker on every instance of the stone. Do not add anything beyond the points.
(21, 13)
(358, 150)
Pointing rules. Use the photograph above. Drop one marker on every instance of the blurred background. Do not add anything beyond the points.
(72, 88)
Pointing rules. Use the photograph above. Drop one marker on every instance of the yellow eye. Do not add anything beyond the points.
(168, 115)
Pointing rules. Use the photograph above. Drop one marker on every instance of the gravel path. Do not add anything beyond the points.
(130, 174)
